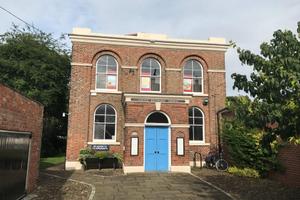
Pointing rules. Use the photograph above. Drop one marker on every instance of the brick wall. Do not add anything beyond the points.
(18, 113)
(289, 157)
(82, 103)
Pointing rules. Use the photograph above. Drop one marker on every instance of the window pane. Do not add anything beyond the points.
(101, 69)
(146, 67)
(190, 112)
(198, 120)
(188, 73)
(110, 110)
(157, 117)
(197, 112)
(102, 61)
(155, 84)
(99, 118)
(111, 82)
(155, 71)
(101, 81)
(154, 63)
(197, 72)
(197, 85)
(198, 132)
(101, 109)
(187, 85)
(110, 119)
(145, 84)
(112, 69)
(188, 65)
(191, 133)
(191, 120)
(99, 131)
(111, 61)
(110, 131)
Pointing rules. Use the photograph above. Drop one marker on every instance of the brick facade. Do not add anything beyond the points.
(18, 113)
(84, 98)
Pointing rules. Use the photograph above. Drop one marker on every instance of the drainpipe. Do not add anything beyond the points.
(223, 110)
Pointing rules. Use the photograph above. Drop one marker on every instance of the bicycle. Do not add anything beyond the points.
(214, 160)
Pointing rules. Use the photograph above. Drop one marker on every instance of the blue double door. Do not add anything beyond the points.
(156, 148)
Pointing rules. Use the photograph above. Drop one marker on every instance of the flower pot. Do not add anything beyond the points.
(91, 163)
(106, 163)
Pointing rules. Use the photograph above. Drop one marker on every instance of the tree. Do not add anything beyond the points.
(38, 66)
(274, 84)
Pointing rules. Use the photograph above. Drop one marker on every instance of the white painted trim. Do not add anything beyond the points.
(73, 165)
(184, 169)
(134, 125)
(173, 69)
(94, 92)
(81, 64)
(157, 95)
(180, 126)
(117, 78)
(129, 67)
(116, 127)
(104, 142)
(216, 70)
(198, 143)
(18, 132)
(211, 44)
(133, 169)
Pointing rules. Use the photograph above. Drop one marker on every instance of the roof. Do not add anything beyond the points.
(147, 39)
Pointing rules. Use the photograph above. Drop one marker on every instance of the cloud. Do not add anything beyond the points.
(248, 23)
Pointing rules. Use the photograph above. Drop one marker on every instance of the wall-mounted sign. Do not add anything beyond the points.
(180, 146)
(134, 146)
(100, 147)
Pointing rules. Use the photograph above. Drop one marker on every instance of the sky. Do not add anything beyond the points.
(247, 23)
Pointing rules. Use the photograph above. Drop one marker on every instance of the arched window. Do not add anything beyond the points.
(192, 76)
(105, 123)
(150, 75)
(107, 73)
(196, 120)
(157, 117)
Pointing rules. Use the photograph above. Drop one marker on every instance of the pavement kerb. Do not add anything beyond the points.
(212, 185)
(91, 197)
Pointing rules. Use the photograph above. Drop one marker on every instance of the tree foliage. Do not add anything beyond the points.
(38, 66)
(274, 84)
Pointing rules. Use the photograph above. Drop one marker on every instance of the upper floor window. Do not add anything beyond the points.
(150, 75)
(105, 123)
(196, 121)
(193, 77)
(107, 73)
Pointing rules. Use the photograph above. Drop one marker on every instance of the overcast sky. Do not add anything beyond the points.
(248, 23)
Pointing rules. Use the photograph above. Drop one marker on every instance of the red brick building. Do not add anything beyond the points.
(21, 125)
(151, 98)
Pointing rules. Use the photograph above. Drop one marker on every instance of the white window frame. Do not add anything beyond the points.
(198, 142)
(202, 79)
(117, 76)
(160, 72)
(104, 140)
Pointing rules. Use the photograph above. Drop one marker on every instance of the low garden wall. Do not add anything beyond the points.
(289, 157)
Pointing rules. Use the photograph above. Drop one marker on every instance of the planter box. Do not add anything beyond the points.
(91, 163)
(107, 163)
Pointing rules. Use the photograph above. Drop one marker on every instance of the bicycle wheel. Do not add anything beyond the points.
(221, 165)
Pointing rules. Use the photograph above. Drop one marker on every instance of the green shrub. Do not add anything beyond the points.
(246, 150)
(103, 154)
(247, 172)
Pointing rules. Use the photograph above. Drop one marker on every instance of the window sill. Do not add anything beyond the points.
(94, 92)
(105, 142)
(198, 143)
(196, 94)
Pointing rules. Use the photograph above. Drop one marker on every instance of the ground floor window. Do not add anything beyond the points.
(105, 123)
(196, 124)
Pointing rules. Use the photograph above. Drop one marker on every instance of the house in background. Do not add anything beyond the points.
(151, 98)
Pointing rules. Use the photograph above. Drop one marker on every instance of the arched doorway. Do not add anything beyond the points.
(157, 142)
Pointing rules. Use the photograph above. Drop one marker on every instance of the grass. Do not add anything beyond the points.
(52, 161)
